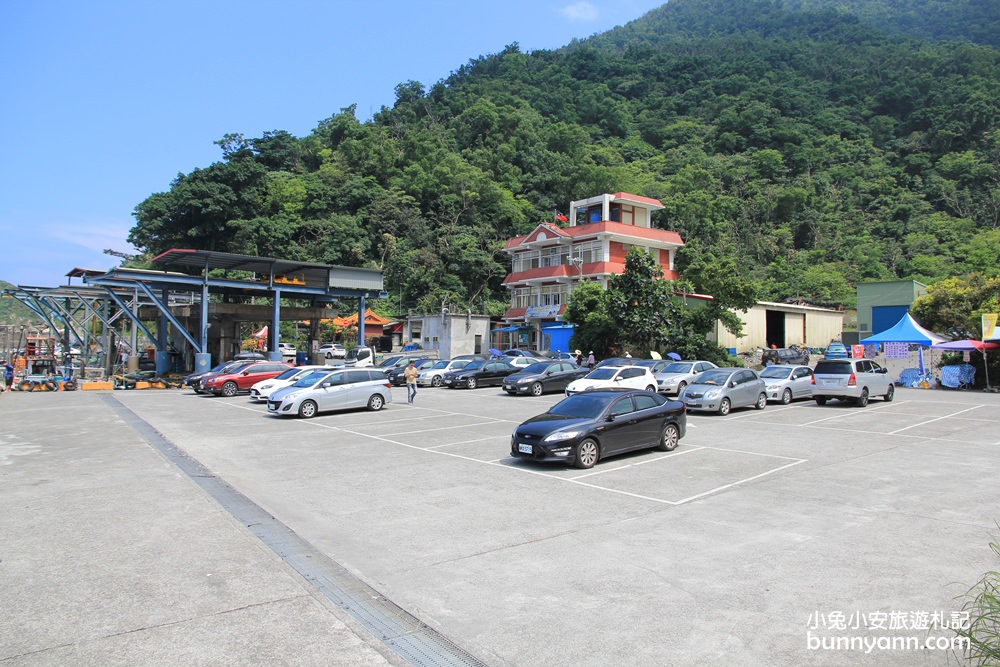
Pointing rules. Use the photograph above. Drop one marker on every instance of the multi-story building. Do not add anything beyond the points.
(591, 244)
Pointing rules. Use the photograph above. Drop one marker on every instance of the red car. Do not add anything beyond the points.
(230, 384)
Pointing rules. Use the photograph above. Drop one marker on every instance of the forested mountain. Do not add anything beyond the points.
(817, 147)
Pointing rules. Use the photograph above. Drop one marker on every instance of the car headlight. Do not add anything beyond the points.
(561, 435)
(772, 387)
(264, 386)
(713, 393)
(290, 397)
(524, 381)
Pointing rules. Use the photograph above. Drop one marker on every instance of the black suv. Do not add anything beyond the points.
(786, 356)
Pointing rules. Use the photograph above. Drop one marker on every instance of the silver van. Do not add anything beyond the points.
(851, 379)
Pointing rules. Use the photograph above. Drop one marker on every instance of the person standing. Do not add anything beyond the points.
(410, 374)
(8, 375)
(590, 360)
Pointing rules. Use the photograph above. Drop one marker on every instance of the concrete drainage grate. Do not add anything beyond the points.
(403, 633)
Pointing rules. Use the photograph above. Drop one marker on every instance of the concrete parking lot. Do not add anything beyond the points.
(795, 535)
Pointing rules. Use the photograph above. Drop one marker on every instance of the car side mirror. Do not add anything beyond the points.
(245, 373)
(609, 418)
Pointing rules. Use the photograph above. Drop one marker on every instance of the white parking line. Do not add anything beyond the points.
(856, 413)
(737, 483)
(631, 465)
(929, 421)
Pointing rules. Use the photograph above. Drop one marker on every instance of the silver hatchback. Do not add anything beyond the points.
(722, 389)
(851, 380)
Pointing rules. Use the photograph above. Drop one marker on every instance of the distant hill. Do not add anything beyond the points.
(816, 143)
(13, 311)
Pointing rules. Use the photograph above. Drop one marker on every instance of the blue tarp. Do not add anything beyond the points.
(905, 331)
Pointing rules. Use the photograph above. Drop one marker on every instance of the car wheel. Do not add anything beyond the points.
(725, 406)
(536, 389)
(328, 355)
(436, 381)
(862, 400)
(761, 401)
(307, 410)
(680, 387)
(376, 402)
(472, 383)
(651, 388)
(669, 438)
(821, 400)
(890, 393)
(229, 389)
(786, 396)
(587, 453)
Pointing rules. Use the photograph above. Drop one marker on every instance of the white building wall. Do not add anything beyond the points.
(449, 334)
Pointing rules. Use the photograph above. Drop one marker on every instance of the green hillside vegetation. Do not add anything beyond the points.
(13, 312)
(809, 147)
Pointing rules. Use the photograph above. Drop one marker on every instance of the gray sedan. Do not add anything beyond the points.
(786, 383)
(677, 375)
(722, 389)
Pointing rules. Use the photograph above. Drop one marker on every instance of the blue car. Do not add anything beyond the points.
(837, 351)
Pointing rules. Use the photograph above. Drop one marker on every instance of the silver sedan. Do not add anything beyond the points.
(786, 383)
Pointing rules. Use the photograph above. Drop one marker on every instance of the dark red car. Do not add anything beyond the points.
(240, 381)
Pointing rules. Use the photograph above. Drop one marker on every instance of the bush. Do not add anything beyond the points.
(983, 605)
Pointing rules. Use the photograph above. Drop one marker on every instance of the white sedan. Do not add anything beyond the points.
(632, 377)
(786, 383)
(263, 389)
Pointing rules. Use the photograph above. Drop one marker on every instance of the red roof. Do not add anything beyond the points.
(606, 227)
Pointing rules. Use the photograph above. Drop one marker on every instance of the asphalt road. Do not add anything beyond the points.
(798, 535)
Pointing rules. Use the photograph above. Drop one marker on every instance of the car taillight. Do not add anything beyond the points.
(852, 381)
(812, 379)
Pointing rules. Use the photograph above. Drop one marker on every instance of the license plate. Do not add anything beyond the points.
(523, 448)
(271, 407)
(507, 387)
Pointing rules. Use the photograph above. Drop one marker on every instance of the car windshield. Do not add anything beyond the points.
(606, 373)
(536, 368)
(474, 365)
(289, 374)
(310, 379)
(713, 377)
(582, 405)
(441, 364)
(678, 367)
(775, 372)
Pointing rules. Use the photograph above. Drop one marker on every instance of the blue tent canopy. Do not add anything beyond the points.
(905, 331)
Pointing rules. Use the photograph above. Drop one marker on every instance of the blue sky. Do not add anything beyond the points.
(105, 102)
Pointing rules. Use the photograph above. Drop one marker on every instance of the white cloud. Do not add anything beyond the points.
(580, 11)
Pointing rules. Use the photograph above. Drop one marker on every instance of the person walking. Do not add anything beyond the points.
(590, 360)
(410, 374)
(8, 375)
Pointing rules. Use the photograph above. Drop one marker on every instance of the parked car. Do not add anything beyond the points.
(514, 352)
(614, 361)
(261, 390)
(722, 389)
(523, 362)
(194, 380)
(434, 376)
(633, 377)
(786, 356)
(786, 383)
(249, 356)
(591, 426)
(543, 376)
(332, 389)
(231, 367)
(837, 350)
(287, 351)
(241, 379)
(333, 350)
(395, 374)
(654, 365)
(851, 379)
(677, 375)
(479, 374)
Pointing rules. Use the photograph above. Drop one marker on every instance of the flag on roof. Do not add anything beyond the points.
(560, 217)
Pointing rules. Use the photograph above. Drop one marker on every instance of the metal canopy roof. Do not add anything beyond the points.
(283, 273)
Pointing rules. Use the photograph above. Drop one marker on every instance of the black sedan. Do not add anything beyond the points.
(595, 424)
(478, 374)
(395, 374)
(544, 376)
